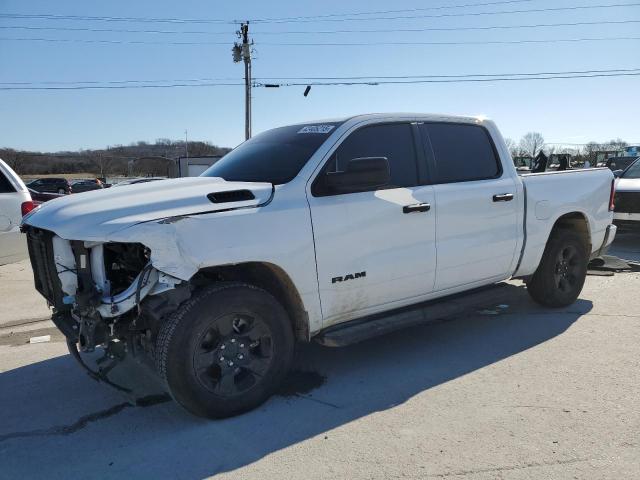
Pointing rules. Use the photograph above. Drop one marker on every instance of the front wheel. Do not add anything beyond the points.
(562, 271)
(226, 350)
(61, 191)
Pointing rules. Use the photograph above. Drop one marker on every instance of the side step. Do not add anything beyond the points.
(356, 331)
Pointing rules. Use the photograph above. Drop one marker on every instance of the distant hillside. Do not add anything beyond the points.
(116, 160)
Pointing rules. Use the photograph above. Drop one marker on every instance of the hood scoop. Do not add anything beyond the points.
(231, 196)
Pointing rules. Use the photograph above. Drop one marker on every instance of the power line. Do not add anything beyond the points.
(343, 81)
(450, 29)
(324, 44)
(124, 42)
(482, 42)
(467, 14)
(116, 82)
(315, 32)
(108, 87)
(178, 20)
(48, 16)
(311, 78)
(308, 20)
(110, 30)
(465, 75)
(461, 80)
(384, 12)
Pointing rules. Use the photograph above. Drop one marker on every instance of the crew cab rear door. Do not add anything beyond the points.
(375, 249)
(477, 205)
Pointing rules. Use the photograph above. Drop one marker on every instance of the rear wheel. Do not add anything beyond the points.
(226, 350)
(562, 271)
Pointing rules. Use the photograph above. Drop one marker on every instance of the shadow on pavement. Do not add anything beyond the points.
(626, 246)
(58, 423)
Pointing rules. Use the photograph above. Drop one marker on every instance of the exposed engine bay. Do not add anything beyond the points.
(103, 294)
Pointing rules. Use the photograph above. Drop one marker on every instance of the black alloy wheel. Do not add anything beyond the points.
(233, 354)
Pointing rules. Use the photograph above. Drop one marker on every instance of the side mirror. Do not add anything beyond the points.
(618, 173)
(361, 174)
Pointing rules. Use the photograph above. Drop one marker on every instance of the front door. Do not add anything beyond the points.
(372, 253)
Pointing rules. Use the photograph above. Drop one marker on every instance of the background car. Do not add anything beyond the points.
(41, 197)
(52, 185)
(15, 202)
(619, 163)
(626, 213)
(86, 185)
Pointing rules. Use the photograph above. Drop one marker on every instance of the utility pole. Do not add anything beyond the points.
(242, 52)
(186, 144)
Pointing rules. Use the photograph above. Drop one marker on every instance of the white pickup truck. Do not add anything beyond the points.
(334, 231)
(15, 201)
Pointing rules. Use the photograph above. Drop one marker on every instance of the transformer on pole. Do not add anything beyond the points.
(242, 52)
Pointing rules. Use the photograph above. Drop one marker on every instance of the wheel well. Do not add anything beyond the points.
(269, 277)
(576, 222)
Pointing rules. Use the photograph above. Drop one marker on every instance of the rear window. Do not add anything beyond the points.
(462, 152)
(633, 171)
(275, 156)
(620, 163)
(5, 184)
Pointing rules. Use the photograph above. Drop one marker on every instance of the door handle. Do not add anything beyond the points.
(416, 207)
(503, 197)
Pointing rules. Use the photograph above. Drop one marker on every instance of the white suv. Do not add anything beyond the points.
(15, 201)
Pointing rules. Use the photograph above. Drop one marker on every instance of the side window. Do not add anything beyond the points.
(5, 184)
(393, 141)
(462, 152)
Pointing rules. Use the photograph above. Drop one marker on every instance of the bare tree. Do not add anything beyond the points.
(13, 159)
(532, 143)
(617, 144)
(103, 164)
(511, 146)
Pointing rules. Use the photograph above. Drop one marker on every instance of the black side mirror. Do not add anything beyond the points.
(618, 173)
(361, 174)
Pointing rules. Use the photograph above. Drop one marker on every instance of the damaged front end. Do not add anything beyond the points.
(105, 294)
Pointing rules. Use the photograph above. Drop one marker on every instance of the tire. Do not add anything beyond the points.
(226, 350)
(61, 191)
(562, 271)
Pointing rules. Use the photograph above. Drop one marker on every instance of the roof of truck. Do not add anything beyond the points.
(423, 116)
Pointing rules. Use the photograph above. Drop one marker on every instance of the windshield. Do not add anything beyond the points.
(275, 156)
(633, 171)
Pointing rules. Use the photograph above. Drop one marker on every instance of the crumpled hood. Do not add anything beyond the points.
(97, 214)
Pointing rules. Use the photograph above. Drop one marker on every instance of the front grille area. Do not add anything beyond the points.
(45, 275)
(627, 202)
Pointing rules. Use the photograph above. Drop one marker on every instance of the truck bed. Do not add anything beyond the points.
(550, 195)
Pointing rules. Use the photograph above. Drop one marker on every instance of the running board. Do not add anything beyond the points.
(442, 309)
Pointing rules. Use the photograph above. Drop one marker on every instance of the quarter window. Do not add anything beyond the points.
(462, 152)
(5, 184)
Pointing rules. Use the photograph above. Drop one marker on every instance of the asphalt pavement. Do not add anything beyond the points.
(510, 390)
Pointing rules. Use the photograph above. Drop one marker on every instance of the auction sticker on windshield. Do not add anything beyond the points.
(316, 129)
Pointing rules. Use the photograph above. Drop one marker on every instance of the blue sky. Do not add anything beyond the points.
(572, 111)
